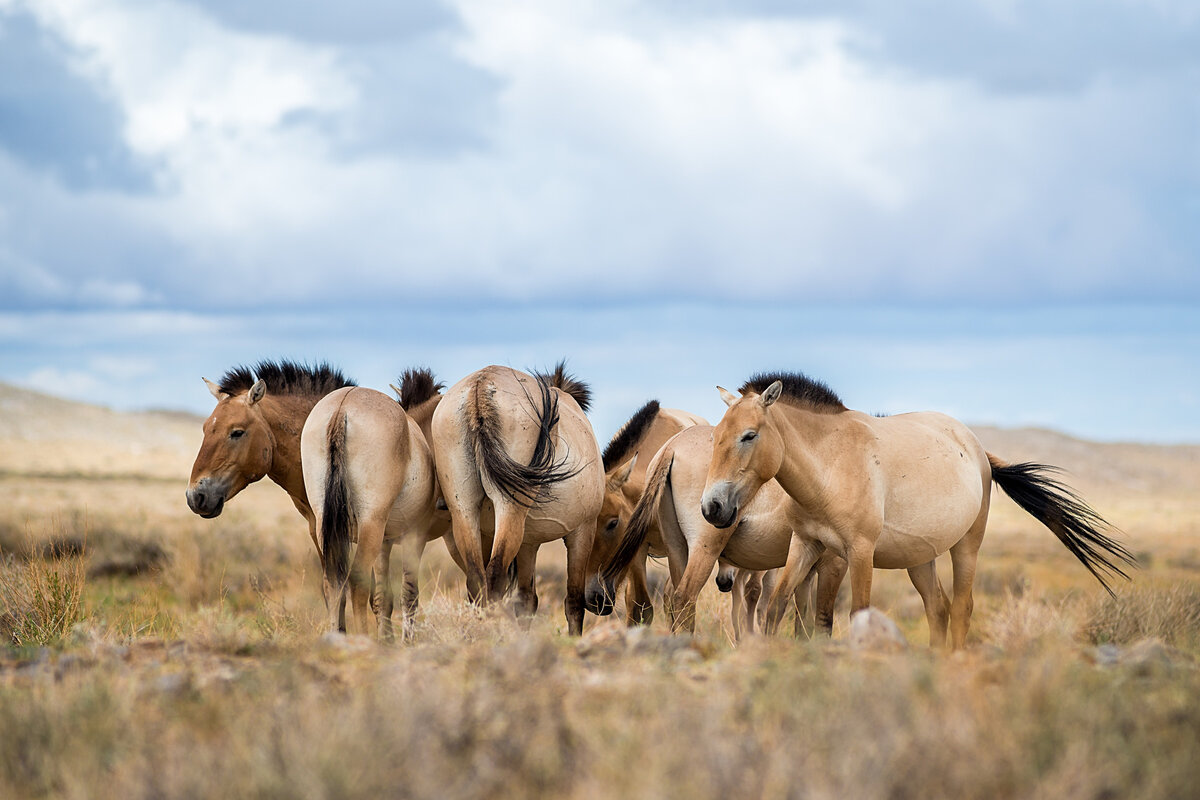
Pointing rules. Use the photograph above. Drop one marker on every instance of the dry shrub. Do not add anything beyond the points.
(41, 598)
(1172, 615)
(1026, 621)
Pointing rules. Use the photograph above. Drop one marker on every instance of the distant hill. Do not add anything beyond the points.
(42, 434)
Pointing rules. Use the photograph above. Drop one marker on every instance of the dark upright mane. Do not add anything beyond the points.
(285, 377)
(417, 385)
(798, 388)
(568, 383)
(626, 439)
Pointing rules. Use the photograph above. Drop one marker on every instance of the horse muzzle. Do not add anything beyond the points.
(598, 597)
(205, 499)
(718, 511)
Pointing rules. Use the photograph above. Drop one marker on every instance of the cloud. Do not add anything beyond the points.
(575, 153)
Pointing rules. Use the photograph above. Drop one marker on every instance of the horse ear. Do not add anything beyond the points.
(257, 392)
(771, 394)
(216, 390)
(729, 397)
(622, 473)
(397, 391)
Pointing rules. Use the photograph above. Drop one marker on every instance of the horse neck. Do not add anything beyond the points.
(285, 417)
(423, 415)
(803, 472)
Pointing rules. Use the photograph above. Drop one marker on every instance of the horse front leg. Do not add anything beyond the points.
(579, 549)
(700, 563)
(802, 554)
(639, 610)
(831, 571)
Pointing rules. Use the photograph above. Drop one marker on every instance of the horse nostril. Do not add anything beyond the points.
(711, 509)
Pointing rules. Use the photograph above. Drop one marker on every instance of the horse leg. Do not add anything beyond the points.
(752, 591)
(382, 601)
(831, 570)
(464, 526)
(964, 555)
(861, 555)
(579, 549)
(737, 604)
(802, 599)
(937, 605)
(366, 556)
(802, 554)
(510, 535)
(526, 602)
(412, 547)
(638, 608)
(700, 565)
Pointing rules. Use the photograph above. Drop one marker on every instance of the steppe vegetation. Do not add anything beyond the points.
(150, 653)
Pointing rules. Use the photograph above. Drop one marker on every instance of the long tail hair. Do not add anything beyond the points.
(526, 484)
(1073, 521)
(658, 477)
(337, 516)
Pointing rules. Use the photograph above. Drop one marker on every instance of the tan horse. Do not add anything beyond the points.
(624, 481)
(760, 541)
(369, 472)
(892, 492)
(254, 431)
(517, 448)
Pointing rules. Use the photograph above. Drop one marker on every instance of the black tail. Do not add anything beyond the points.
(658, 475)
(1067, 516)
(337, 521)
(526, 484)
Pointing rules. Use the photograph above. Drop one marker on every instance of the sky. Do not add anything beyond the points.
(985, 207)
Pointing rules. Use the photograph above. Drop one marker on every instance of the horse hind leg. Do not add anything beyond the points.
(937, 606)
(965, 555)
(382, 600)
(510, 535)
(366, 560)
(579, 548)
(525, 604)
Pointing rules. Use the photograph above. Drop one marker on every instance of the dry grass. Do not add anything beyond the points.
(193, 665)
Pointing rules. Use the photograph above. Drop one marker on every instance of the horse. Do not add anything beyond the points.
(760, 542)
(254, 431)
(891, 491)
(369, 472)
(496, 435)
(624, 481)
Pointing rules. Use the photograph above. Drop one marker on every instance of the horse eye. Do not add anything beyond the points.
(749, 436)
(237, 434)
(612, 524)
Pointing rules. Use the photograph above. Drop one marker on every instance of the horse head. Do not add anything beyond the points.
(610, 528)
(747, 452)
(237, 449)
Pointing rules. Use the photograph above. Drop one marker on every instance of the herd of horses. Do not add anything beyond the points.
(788, 493)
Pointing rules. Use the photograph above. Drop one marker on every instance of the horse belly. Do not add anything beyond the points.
(925, 517)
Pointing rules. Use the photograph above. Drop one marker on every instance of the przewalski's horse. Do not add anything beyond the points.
(255, 431)
(892, 492)
(625, 459)
(760, 541)
(369, 473)
(522, 447)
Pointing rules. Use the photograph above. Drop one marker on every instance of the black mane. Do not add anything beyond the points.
(417, 385)
(798, 388)
(568, 383)
(626, 439)
(285, 377)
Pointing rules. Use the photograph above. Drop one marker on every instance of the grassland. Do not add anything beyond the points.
(154, 654)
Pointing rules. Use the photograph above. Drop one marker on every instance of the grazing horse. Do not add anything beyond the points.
(255, 431)
(368, 470)
(892, 492)
(624, 481)
(760, 541)
(521, 448)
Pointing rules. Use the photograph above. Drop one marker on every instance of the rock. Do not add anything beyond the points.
(871, 630)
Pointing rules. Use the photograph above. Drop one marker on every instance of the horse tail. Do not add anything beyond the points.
(1073, 521)
(658, 477)
(525, 484)
(337, 516)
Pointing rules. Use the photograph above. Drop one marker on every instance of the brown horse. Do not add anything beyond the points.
(368, 470)
(496, 436)
(625, 459)
(760, 542)
(254, 431)
(892, 492)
